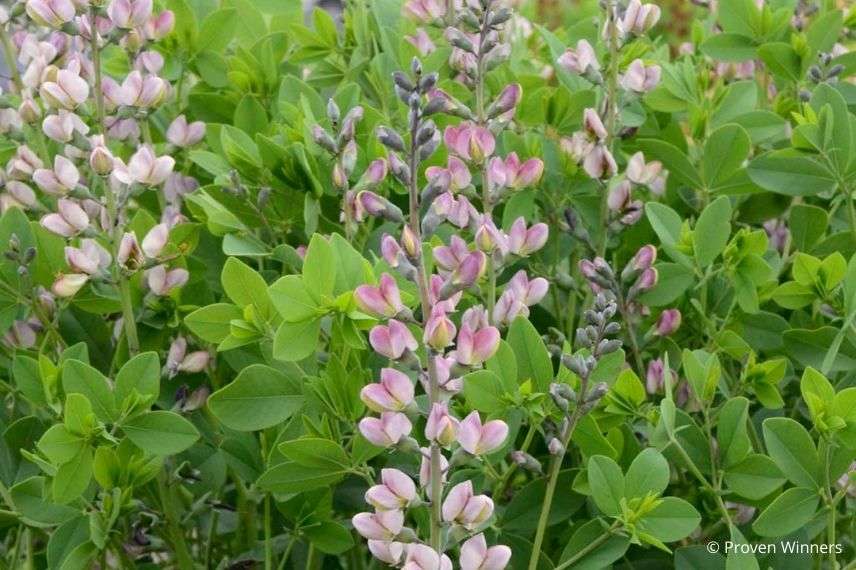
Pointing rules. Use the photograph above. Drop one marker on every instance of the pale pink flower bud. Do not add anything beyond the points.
(639, 18)
(654, 376)
(555, 447)
(474, 346)
(425, 11)
(441, 427)
(463, 507)
(155, 240)
(529, 292)
(579, 60)
(470, 141)
(394, 392)
(90, 258)
(145, 168)
(177, 351)
(129, 254)
(162, 282)
(160, 26)
(69, 284)
(387, 430)
(68, 91)
(478, 439)
(69, 221)
(25, 162)
(644, 258)
(640, 78)
(396, 491)
(383, 300)
(647, 280)
(422, 42)
(29, 111)
(368, 202)
(423, 557)
(144, 92)
(600, 163)
(393, 340)
(506, 101)
(151, 61)
(639, 172)
(475, 555)
(669, 322)
(523, 241)
(195, 362)
(489, 238)
(391, 553)
(102, 160)
(593, 124)
(184, 134)
(619, 196)
(384, 525)
(390, 250)
(59, 181)
(52, 13)
(61, 127)
(525, 174)
(129, 14)
(375, 173)
(508, 307)
(470, 270)
(439, 330)
(22, 194)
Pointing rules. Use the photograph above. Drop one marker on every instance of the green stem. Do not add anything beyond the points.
(176, 534)
(96, 64)
(11, 60)
(128, 318)
(287, 554)
(267, 511)
(506, 477)
(611, 111)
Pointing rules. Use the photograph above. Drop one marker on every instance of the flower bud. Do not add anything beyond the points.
(387, 430)
(441, 427)
(394, 392)
(393, 340)
(464, 507)
(67, 285)
(478, 439)
(668, 322)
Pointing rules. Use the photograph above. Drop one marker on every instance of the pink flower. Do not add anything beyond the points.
(52, 13)
(62, 126)
(439, 330)
(383, 300)
(145, 167)
(384, 525)
(470, 270)
(579, 60)
(129, 255)
(520, 175)
(69, 284)
(393, 340)
(150, 61)
(422, 42)
(391, 553)
(523, 241)
(475, 346)
(20, 194)
(178, 360)
(441, 427)
(160, 26)
(425, 11)
(639, 18)
(470, 141)
(70, 220)
(640, 78)
(59, 181)
(143, 92)
(508, 307)
(478, 439)
(394, 392)
(463, 507)
(129, 14)
(639, 172)
(529, 292)
(456, 176)
(599, 163)
(593, 125)
(423, 557)
(506, 101)
(67, 92)
(475, 555)
(396, 491)
(155, 240)
(89, 258)
(669, 322)
(184, 134)
(162, 282)
(449, 257)
(387, 430)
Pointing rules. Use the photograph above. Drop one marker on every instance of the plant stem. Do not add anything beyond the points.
(506, 477)
(176, 534)
(96, 64)
(287, 554)
(588, 548)
(128, 318)
(611, 112)
(267, 510)
(11, 60)
(425, 303)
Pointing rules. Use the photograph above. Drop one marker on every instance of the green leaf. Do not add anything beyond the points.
(712, 230)
(161, 432)
(250, 116)
(602, 556)
(607, 484)
(142, 373)
(754, 478)
(316, 452)
(217, 31)
(791, 447)
(671, 520)
(781, 60)
(807, 224)
(791, 174)
(665, 221)
(212, 323)
(673, 281)
(329, 537)
(732, 431)
(292, 300)
(289, 477)
(484, 391)
(729, 47)
(648, 474)
(788, 512)
(60, 445)
(260, 397)
(724, 153)
(296, 341)
(676, 162)
(86, 380)
(793, 295)
(533, 359)
(243, 285)
(319, 268)
(73, 477)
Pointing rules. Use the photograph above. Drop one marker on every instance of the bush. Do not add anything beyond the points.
(472, 284)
